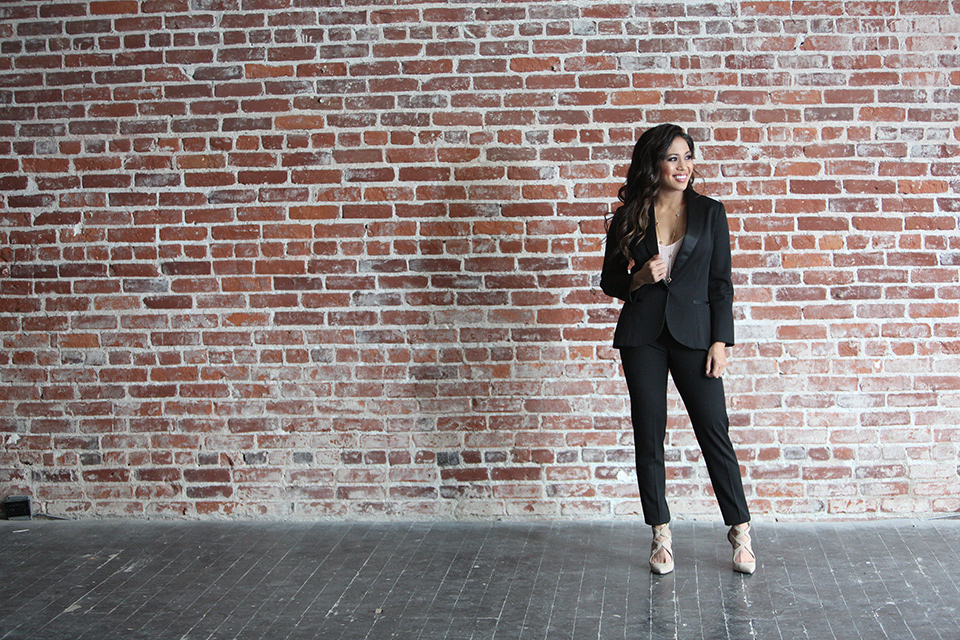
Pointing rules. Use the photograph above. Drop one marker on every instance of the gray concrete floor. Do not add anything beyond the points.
(416, 581)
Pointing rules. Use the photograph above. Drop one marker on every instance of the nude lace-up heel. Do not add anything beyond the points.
(739, 537)
(662, 540)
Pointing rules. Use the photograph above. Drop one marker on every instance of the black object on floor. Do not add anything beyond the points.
(16, 508)
(471, 581)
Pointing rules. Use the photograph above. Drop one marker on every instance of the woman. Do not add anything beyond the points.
(668, 258)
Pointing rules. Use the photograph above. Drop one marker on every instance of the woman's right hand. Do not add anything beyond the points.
(653, 270)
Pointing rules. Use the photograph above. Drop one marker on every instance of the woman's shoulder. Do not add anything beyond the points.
(614, 220)
(702, 201)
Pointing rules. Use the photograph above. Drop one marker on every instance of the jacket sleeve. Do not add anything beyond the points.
(615, 278)
(720, 290)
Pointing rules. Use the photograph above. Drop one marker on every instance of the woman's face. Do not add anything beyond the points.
(677, 168)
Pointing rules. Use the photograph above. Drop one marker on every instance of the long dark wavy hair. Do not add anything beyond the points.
(643, 183)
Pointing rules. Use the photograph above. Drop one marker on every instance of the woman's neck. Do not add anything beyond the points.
(670, 201)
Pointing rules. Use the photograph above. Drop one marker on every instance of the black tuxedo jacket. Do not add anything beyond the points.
(697, 304)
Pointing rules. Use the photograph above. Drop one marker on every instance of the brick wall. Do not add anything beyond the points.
(340, 258)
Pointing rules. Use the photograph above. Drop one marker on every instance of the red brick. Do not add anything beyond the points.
(411, 264)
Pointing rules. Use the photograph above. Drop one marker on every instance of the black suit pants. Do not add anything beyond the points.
(645, 369)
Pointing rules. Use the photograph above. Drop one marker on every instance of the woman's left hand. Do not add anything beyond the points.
(716, 360)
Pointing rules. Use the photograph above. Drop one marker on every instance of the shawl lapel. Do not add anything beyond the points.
(650, 237)
(695, 222)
